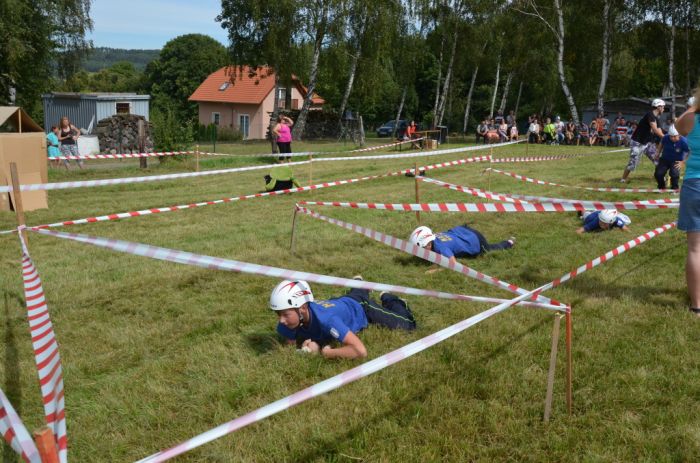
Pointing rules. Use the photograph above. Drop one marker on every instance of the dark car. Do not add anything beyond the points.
(388, 128)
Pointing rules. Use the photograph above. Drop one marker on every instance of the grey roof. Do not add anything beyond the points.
(96, 96)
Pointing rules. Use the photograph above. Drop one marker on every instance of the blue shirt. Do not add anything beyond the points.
(692, 167)
(52, 139)
(458, 242)
(592, 223)
(674, 151)
(330, 320)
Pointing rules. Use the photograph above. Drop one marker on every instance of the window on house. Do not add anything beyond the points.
(224, 86)
(215, 118)
(123, 108)
(282, 96)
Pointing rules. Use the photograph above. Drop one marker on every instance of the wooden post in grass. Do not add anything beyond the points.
(416, 173)
(527, 144)
(569, 364)
(490, 167)
(46, 445)
(196, 157)
(552, 368)
(17, 199)
(294, 229)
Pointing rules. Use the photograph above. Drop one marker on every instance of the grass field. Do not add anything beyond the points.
(155, 353)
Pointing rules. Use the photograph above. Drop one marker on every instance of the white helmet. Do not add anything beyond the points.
(607, 215)
(658, 102)
(422, 237)
(290, 294)
(672, 131)
(691, 101)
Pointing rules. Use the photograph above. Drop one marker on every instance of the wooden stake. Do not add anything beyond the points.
(552, 368)
(196, 155)
(17, 199)
(46, 445)
(569, 364)
(527, 145)
(416, 173)
(490, 167)
(294, 228)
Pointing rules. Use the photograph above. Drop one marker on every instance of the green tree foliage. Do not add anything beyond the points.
(120, 77)
(183, 64)
(37, 38)
(101, 57)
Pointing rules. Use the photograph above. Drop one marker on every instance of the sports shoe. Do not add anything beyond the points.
(622, 180)
(358, 277)
(511, 240)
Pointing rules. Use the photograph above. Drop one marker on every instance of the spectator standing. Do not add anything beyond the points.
(642, 141)
(510, 118)
(689, 212)
(68, 135)
(52, 146)
(283, 134)
(503, 131)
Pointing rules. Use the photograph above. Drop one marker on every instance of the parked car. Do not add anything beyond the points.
(386, 129)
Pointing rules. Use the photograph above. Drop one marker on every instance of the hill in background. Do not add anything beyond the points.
(102, 57)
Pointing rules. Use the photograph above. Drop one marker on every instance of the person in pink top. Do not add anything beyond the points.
(283, 132)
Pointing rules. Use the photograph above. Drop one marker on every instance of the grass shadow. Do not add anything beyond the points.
(262, 342)
(12, 385)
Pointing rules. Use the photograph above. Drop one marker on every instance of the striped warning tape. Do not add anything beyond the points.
(48, 360)
(318, 186)
(616, 190)
(489, 207)
(525, 199)
(314, 153)
(15, 433)
(123, 155)
(372, 366)
(428, 255)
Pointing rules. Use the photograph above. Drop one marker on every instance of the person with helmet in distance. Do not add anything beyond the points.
(316, 325)
(643, 138)
(605, 219)
(461, 241)
(674, 152)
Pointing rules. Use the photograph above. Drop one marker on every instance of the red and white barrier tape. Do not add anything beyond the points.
(371, 367)
(153, 178)
(312, 153)
(525, 199)
(333, 383)
(48, 360)
(430, 256)
(318, 186)
(539, 158)
(15, 433)
(122, 155)
(217, 263)
(616, 190)
(486, 207)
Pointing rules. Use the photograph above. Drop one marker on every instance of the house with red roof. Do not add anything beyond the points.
(243, 99)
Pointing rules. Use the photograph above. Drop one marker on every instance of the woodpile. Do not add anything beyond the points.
(120, 134)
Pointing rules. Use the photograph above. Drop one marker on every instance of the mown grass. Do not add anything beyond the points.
(155, 353)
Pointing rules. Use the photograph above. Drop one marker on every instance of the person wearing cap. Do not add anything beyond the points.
(602, 220)
(674, 152)
(330, 327)
(688, 125)
(642, 141)
(462, 241)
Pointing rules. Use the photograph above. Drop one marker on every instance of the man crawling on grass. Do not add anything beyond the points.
(606, 219)
(330, 327)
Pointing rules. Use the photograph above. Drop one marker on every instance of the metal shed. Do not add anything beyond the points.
(632, 108)
(86, 109)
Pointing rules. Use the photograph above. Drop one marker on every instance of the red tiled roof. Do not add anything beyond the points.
(248, 87)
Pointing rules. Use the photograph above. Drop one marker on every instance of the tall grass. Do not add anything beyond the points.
(154, 353)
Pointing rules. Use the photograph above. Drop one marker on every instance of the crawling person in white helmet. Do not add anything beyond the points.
(461, 241)
(316, 326)
(644, 138)
(605, 219)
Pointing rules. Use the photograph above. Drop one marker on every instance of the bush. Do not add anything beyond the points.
(211, 132)
(168, 133)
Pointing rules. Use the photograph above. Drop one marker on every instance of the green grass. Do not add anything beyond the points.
(155, 353)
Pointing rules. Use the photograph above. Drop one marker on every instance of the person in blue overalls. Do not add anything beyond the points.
(462, 241)
(317, 326)
(674, 151)
(605, 219)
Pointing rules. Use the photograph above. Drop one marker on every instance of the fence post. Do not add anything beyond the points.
(569, 363)
(311, 168)
(552, 367)
(416, 173)
(17, 199)
(46, 445)
(196, 156)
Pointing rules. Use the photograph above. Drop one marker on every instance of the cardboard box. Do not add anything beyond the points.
(430, 144)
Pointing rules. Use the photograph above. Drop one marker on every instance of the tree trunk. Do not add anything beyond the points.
(353, 65)
(398, 113)
(560, 62)
(605, 66)
(437, 85)
(688, 84)
(448, 77)
(671, 50)
(517, 101)
(495, 87)
(506, 89)
(300, 123)
(469, 100)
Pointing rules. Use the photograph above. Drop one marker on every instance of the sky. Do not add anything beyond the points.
(149, 24)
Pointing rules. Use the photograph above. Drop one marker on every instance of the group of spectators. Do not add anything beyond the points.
(63, 141)
(600, 131)
(498, 129)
